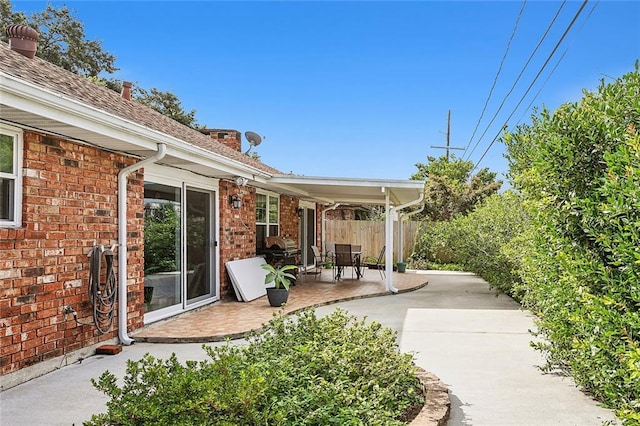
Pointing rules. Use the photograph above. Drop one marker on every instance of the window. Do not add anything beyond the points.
(267, 218)
(10, 173)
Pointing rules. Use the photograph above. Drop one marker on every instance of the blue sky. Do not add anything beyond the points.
(362, 89)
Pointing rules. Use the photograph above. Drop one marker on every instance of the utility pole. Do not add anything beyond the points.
(448, 137)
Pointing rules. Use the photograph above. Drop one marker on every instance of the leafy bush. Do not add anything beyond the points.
(303, 370)
(161, 231)
(579, 170)
(479, 242)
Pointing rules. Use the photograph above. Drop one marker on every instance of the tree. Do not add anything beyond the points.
(8, 17)
(451, 189)
(161, 228)
(166, 103)
(62, 42)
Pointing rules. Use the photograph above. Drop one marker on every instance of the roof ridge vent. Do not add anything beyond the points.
(23, 39)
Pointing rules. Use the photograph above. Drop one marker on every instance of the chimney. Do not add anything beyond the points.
(126, 90)
(230, 138)
(23, 39)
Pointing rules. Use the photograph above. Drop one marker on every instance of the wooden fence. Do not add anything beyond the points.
(370, 235)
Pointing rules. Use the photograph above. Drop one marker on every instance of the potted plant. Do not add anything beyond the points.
(281, 279)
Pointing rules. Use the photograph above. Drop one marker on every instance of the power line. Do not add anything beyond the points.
(584, 3)
(546, 80)
(535, 50)
(495, 79)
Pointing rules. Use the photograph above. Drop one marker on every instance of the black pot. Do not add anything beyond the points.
(277, 296)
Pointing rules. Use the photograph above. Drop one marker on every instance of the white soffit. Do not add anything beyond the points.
(350, 190)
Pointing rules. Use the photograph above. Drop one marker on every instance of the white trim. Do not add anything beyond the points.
(171, 176)
(43, 102)
(307, 204)
(17, 175)
(160, 314)
(267, 192)
(213, 250)
(269, 195)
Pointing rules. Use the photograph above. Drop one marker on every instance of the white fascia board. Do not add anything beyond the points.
(26, 96)
(386, 186)
(337, 181)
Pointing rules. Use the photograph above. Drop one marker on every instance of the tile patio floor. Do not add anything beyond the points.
(232, 319)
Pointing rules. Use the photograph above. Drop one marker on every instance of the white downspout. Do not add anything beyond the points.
(388, 254)
(389, 238)
(122, 240)
(400, 238)
(324, 227)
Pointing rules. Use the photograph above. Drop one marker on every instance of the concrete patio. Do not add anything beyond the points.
(231, 319)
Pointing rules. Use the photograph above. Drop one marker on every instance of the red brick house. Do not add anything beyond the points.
(83, 167)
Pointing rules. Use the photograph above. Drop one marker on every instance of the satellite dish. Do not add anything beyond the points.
(253, 138)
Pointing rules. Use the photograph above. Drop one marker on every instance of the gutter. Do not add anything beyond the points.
(122, 240)
(389, 236)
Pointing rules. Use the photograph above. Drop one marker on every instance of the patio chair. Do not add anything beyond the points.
(372, 262)
(329, 249)
(319, 261)
(343, 258)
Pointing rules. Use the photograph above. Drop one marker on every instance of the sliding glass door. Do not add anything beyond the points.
(307, 233)
(179, 248)
(162, 246)
(199, 247)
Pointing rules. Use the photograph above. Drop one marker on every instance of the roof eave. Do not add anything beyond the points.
(26, 96)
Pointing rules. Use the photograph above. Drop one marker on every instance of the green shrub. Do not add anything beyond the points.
(336, 370)
(302, 370)
(163, 392)
(480, 241)
(579, 170)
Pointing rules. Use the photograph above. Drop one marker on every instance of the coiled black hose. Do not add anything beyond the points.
(102, 295)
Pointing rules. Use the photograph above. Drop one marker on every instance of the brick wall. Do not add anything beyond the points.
(69, 204)
(237, 231)
(238, 228)
(289, 218)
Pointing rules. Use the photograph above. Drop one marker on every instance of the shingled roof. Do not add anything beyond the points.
(55, 79)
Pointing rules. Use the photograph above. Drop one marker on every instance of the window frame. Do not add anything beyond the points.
(16, 176)
(270, 223)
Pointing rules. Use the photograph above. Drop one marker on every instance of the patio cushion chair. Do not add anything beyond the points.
(342, 258)
(319, 261)
(372, 262)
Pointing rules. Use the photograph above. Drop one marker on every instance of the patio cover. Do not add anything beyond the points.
(395, 195)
